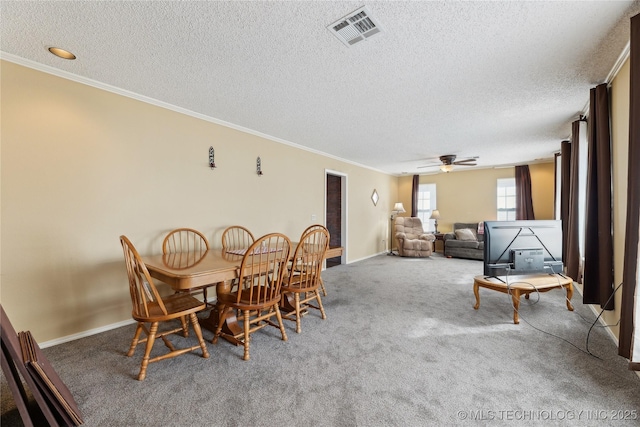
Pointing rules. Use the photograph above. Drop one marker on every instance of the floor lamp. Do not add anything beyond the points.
(397, 208)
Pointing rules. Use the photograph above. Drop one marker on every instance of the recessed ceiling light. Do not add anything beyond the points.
(65, 54)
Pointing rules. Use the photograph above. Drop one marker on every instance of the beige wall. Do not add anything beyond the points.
(470, 195)
(619, 94)
(542, 189)
(81, 166)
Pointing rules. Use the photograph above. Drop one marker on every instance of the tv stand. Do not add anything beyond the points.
(523, 285)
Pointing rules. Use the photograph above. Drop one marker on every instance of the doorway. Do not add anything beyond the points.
(335, 213)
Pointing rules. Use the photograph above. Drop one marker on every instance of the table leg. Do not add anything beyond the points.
(515, 297)
(569, 295)
(231, 326)
(287, 302)
(476, 292)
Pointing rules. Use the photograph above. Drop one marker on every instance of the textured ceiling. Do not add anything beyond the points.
(501, 80)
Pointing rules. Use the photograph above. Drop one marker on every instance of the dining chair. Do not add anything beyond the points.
(303, 279)
(236, 237)
(186, 240)
(150, 307)
(322, 227)
(256, 291)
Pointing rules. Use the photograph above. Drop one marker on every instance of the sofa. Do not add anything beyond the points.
(464, 241)
(412, 240)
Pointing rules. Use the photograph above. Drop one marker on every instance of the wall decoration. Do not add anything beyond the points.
(212, 160)
(258, 167)
(374, 198)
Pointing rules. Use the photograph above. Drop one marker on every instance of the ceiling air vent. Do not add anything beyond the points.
(355, 27)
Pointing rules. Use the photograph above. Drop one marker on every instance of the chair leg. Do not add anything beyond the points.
(324, 291)
(185, 326)
(134, 342)
(279, 317)
(147, 351)
(198, 331)
(246, 334)
(297, 305)
(166, 341)
(185, 323)
(320, 306)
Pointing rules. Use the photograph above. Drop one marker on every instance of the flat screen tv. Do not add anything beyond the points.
(522, 247)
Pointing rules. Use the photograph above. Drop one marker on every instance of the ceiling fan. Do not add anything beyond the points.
(449, 160)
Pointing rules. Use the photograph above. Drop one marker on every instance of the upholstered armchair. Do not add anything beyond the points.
(464, 241)
(412, 240)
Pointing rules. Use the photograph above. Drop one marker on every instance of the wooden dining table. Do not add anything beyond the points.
(190, 271)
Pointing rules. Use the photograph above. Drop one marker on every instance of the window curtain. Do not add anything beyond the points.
(598, 255)
(414, 195)
(524, 203)
(565, 181)
(572, 237)
(629, 339)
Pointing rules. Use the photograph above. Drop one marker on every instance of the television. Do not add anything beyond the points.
(522, 247)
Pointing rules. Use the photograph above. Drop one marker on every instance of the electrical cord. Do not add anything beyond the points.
(593, 324)
(598, 317)
(522, 283)
(569, 301)
(535, 302)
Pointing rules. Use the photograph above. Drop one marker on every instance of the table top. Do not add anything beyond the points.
(189, 270)
(524, 282)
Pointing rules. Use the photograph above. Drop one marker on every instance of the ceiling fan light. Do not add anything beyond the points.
(446, 168)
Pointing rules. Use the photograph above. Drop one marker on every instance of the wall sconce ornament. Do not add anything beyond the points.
(212, 160)
(374, 198)
(258, 167)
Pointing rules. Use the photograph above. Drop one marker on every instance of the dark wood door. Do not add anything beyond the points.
(334, 214)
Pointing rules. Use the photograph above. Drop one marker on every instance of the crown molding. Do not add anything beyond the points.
(624, 56)
(626, 53)
(119, 91)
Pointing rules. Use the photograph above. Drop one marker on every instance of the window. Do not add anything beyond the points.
(506, 199)
(557, 200)
(582, 187)
(426, 204)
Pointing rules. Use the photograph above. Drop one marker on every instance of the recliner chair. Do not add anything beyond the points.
(412, 240)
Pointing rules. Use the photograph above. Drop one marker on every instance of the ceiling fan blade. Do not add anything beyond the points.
(450, 160)
(428, 158)
(471, 161)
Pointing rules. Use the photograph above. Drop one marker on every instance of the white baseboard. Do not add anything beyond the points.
(85, 334)
(367, 257)
(94, 331)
